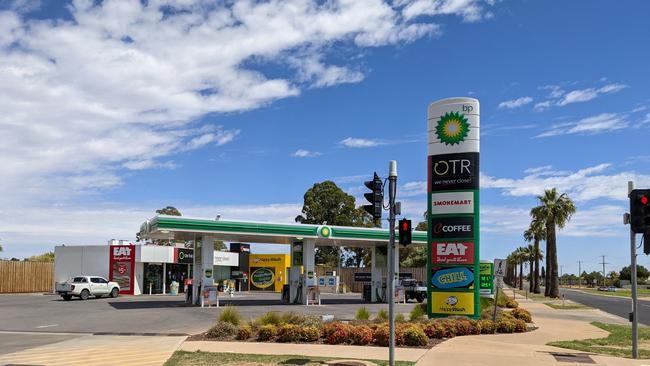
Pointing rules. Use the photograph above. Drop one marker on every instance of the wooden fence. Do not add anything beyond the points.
(26, 276)
(347, 275)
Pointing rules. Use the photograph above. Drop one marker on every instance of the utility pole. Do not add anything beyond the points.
(561, 267)
(604, 273)
(635, 304)
(579, 274)
(392, 188)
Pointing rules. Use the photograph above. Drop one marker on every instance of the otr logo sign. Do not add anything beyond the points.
(452, 166)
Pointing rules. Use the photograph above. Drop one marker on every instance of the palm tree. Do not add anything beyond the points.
(556, 210)
(535, 233)
(512, 269)
(521, 257)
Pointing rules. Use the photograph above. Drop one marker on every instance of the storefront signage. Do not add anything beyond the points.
(452, 277)
(226, 259)
(452, 208)
(444, 227)
(453, 253)
(262, 278)
(122, 265)
(454, 171)
(362, 277)
(452, 203)
(452, 303)
(185, 256)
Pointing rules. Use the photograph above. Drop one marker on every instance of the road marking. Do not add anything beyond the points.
(47, 326)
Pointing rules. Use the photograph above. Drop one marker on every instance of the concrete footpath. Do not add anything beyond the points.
(86, 349)
(529, 348)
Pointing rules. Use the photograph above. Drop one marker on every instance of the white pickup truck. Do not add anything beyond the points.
(85, 286)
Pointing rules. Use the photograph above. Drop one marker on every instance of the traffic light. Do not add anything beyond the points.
(640, 211)
(404, 231)
(375, 197)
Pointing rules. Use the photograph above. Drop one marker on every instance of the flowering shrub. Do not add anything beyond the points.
(512, 304)
(449, 328)
(336, 333)
(520, 326)
(380, 336)
(222, 330)
(522, 314)
(361, 335)
(462, 327)
(309, 334)
(244, 332)
(487, 326)
(414, 336)
(505, 326)
(474, 327)
(288, 333)
(434, 330)
(266, 332)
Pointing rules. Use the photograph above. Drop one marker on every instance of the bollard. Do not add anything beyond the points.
(526, 294)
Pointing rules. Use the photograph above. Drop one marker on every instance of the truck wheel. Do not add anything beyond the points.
(114, 292)
(66, 297)
(84, 294)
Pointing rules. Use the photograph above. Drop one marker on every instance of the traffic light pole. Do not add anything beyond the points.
(392, 187)
(635, 320)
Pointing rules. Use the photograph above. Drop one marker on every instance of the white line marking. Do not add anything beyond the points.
(47, 326)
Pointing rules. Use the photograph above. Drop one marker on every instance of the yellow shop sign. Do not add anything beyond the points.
(452, 303)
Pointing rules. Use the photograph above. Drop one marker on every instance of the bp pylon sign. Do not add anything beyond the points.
(453, 209)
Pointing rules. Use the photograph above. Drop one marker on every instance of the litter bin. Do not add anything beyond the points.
(285, 294)
(367, 293)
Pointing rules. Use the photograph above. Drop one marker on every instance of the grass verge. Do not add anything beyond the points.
(618, 343)
(198, 358)
(531, 295)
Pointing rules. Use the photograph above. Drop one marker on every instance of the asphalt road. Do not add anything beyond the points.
(619, 306)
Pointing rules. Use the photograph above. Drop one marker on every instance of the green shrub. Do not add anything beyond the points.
(522, 314)
(361, 335)
(266, 332)
(315, 321)
(222, 330)
(487, 326)
(505, 326)
(244, 332)
(415, 337)
(288, 333)
(271, 317)
(336, 333)
(449, 328)
(416, 313)
(502, 299)
(362, 314)
(230, 315)
(309, 333)
(486, 304)
(399, 318)
(382, 315)
(520, 326)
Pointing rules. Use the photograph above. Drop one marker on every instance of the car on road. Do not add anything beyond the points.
(414, 289)
(86, 286)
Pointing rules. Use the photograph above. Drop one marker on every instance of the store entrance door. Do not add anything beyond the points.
(153, 278)
(176, 272)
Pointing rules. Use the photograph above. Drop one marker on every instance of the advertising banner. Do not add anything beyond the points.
(452, 303)
(122, 267)
(453, 182)
(185, 256)
(486, 279)
(452, 253)
(262, 278)
(445, 227)
(452, 277)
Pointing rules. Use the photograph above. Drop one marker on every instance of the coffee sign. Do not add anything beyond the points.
(444, 227)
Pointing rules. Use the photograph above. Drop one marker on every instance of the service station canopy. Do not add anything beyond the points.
(186, 229)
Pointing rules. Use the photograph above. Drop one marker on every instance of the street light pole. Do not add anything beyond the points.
(392, 188)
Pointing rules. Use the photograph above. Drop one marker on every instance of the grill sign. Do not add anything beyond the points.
(454, 171)
(454, 277)
(453, 253)
(452, 227)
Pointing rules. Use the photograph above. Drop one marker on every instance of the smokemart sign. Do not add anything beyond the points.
(453, 211)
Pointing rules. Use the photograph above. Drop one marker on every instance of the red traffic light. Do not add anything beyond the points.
(644, 200)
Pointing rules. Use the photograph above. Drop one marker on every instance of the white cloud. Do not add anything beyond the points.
(411, 189)
(469, 10)
(542, 106)
(515, 103)
(121, 84)
(604, 122)
(584, 95)
(302, 153)
(359, 142)
(583, 185)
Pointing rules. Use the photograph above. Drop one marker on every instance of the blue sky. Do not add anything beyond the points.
(113, 110)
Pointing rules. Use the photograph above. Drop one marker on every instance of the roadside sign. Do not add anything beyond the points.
(499, 268)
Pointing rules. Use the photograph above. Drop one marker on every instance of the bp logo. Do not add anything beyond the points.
(452, 128)
(324, 231)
